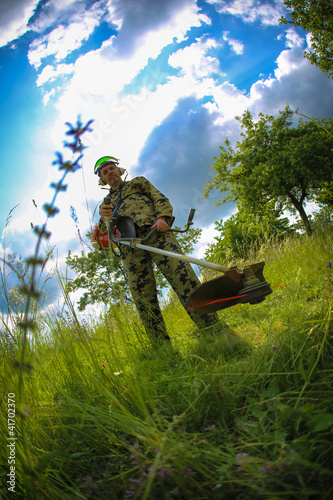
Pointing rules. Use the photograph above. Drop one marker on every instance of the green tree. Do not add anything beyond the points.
(102, 277)
(275, 166)
(316, 17)
(325, 197)
(242, 232)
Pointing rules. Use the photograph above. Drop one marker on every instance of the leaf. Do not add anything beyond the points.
(33, 261)
(321, 422)
(273, 389)
(258, 412)
(59, 186)
(41, 232)
(76, 455)
(50, 210)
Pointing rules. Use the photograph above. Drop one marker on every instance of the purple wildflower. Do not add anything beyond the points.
(240, 458)
(103, 365)
(188, 471)
(136, 482)
(274, 347)
(329, 265)
(209, 428)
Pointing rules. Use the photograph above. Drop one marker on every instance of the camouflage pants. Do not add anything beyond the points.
(141, 280)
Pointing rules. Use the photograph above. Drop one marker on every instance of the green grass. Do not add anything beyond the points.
(244, 415)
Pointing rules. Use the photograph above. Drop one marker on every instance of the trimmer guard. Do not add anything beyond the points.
(234, 287)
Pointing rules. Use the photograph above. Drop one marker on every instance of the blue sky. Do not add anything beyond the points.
(163, 82)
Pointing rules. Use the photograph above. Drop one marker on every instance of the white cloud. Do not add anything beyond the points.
(146, 16)
(50, 73)
(236, 45)
(194, 61)
(176, 28)
(64, 39)
(19, 232)
(149, 24)
(47, 96)
(3, 251)
(72, 24)
(55, 12)
(251, 10)
(288, 61)
(206, 239)
(14, 17)
(149, 44)
(296, 82)
(293, 39)
(95, 90)
(229, 102)
(309, 46)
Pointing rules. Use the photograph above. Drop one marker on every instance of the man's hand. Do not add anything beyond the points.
(161, 225)
(105, 211)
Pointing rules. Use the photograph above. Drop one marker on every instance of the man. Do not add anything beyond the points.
(148, 208)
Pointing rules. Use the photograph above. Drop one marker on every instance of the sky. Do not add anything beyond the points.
(163, 81)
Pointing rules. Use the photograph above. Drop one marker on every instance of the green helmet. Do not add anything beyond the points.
(105, 160)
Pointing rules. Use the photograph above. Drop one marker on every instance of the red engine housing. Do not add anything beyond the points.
(99, 239)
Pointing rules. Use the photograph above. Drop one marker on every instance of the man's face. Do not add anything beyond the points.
(111, 175)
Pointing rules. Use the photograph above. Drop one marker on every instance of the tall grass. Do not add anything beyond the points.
(244, 415)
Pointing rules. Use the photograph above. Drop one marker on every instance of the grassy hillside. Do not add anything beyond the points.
(243, 415)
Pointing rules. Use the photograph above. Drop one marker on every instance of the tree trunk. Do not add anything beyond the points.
(300, 209)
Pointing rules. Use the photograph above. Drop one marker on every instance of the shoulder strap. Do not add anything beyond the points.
(115, 210)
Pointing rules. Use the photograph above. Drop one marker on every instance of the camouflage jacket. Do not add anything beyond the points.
(141, 201)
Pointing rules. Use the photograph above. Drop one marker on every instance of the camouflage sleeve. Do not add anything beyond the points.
(101, 226)
(162, 205)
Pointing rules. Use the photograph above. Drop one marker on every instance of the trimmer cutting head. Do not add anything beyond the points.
(234, 287)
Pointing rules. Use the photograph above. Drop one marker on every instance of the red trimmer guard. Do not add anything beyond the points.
(234, 287)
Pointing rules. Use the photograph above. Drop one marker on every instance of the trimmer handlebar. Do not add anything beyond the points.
(186, 227)
(188, 223)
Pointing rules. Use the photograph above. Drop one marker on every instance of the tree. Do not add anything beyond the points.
(103, 277)
(325, 197)
(100, 274)
(275, 166)
(243, 232)
(316, 17)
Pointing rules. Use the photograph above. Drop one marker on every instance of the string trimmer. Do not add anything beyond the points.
(234, 287)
